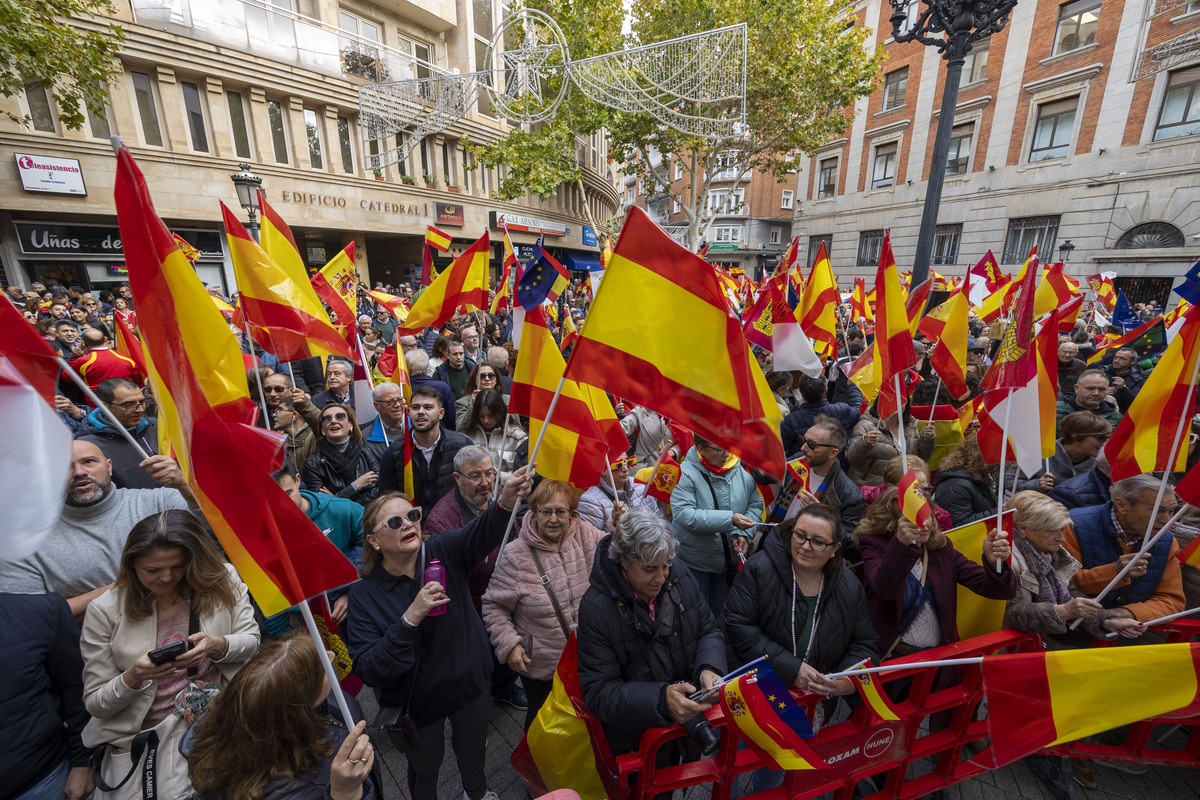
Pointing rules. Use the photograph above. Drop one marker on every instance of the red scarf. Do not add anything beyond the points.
(731, 461)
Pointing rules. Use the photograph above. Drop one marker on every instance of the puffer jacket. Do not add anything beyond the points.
(627, 659)
(868, 461)
(1093, 488)
(965, 496)
(759, 619)
(596, 504)
(700, 524)
(517, 608)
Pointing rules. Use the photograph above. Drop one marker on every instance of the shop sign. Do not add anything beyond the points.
(44, 238)
(722, 247)
(46, 174)
(589, 237)
(362, 204)
(520, 222)
(449, 214)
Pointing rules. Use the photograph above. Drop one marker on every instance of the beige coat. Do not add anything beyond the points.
(517, 608)
(111, 642)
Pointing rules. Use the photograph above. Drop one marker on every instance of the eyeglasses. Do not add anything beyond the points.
(401, 521)
(547, 513)
(132, 405)
(478, 477)
(395, 401)
(275, 389)
(811, 445)
(334, 418)
(817, 545)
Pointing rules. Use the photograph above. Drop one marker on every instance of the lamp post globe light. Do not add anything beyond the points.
(247, 185)
(1064, 251)
(953, 27)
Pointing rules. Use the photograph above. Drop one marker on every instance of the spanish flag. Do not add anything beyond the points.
(788, 261)
(1106, 293)
(465, 282)
(574, 448)
(949, 356)
(914, 305)
(189, 252)
(206, 414)
(766, 715)
(818, 306)
(128, 345)
(893, 340)
(663, 480)
(277, 298)
(438, 240)
(872, 695)
(1188, 490)
(859, 307)
(977, 615)
(503, 297)
(391, 367)
(605, 416)
(1037, 700)
(660, 334)
(1157, 417)
(397, 306)
(1056, 290)
(913, 504)
(335, 285)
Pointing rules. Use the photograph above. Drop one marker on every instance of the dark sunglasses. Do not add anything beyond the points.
(334, 418)
(396, 523)
(274, 389)
(813, 445)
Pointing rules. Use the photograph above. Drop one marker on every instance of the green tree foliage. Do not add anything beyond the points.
(75, 63)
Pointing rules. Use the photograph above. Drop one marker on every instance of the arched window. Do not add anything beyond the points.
(1150, 234)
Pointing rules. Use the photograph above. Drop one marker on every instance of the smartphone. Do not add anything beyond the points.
(161, 655)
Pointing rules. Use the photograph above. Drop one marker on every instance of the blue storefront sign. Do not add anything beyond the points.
(589, 237)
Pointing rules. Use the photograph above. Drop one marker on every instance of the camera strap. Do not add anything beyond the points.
(193, 629)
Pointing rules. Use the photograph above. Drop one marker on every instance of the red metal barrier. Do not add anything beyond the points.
(864, 747)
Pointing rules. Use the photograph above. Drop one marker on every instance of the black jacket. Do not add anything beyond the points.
(455, 653)
(626, 661)
(321, 472)
(797, 423)
(325, 397)
(1133, 378)
(126, 474)
(758, 617)
(41, 690)
(434, 479)
(965, 497)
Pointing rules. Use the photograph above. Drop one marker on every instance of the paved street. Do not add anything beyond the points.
(1014, 781)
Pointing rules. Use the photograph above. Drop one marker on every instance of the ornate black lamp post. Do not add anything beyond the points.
(1064, 251)
(952, 26)
(247, 184)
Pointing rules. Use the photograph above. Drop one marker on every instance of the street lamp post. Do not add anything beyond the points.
(952, 26)
(1064, 251)
(247, 185)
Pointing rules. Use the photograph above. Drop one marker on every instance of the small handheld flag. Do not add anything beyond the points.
(913, 504)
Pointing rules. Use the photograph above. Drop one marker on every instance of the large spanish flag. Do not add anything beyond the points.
(818, 307)
(199, 381)
(949, 356)
(335, 285)
(277, 297)
(893, 339)
(574, 448)
(465, 282)
(1157, 417)
(661, 335)
(1056, 290)
(1036, 700)
(977, 615)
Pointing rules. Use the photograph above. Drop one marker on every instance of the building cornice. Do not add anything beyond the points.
(1063, 79)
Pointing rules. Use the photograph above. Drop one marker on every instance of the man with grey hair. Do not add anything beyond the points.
(1106, 537)
(1070, 365)
(497, 357)
(388, 426)
(339, 382)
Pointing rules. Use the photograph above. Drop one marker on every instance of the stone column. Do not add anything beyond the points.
(172, 121)
(218, 119)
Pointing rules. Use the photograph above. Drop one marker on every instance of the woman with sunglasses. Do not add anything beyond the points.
(485, 426)
(616, 484)
(436, 666)
(1081, 437)
(484, 376)
(529, 620)
(342, 465)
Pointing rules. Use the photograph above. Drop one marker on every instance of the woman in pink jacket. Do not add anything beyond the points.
(529, 620)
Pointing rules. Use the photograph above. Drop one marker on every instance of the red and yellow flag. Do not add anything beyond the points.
(391, 367)
(1106, 293)
(503, 297)
(913, 504)
(1036, 700)
(189, 252)
(949, 355)
(872, 694)
(397, 306)
(766, 715)
(660, 334)
(914, 304)
(1056, 290)
(465, 282)
(663, 480)
(818, 306)
(893, 340)
(975, 614)
(438, 240)
(859, 307)
(199, 381)
(335, 285)
(1157, 417)
(128, 345)
(277, 298)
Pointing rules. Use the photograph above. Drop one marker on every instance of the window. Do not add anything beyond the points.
(675, 207)
(484, 15)
(869, 245)
(1150, 234)
(271, 27)
(788, 198)
(312, 132)
(1076, 25)
(776, 235)
(402, 164)
(98, 122)
(946, 239)
(1024, 233)
(278, 131)
(630, 195)
(426, 173)
(679, 162)
(975, 66)
(827, 179)
(726, 233)
(465, 158)
(1180, 113)
(894, 86)
(1052, 135)
(483, 180)
(343, 126)
(143, 93)
(814, 246)
(883, 169)
(194, 110)
(238, 124)
(360, 56)
(729, 165)
(958, 159)
(724, 201)
(447, 170)
(40, 112)
(912, 10)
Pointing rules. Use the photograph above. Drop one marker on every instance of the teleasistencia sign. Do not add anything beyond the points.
(520, 222)
(47, 174)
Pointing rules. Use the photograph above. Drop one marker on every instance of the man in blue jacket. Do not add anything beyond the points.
(813, 390)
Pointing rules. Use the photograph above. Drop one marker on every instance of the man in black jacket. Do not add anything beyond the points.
(813, 390)
(636, 669)
(433, 450)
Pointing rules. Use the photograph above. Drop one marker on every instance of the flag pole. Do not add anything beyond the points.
(532, 460)
(1000, 480)
(1160, 620)
(262, 400)
(323, 653)
(108, 414)
(933, 406)
(500, 455)
(945, 662)
(1147, 543)
(900, 420)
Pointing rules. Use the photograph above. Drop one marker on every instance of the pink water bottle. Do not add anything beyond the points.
(436, 572)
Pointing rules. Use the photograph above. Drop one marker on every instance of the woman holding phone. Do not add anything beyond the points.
(176, 626)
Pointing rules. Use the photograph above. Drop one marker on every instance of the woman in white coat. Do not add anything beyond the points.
(172, 588)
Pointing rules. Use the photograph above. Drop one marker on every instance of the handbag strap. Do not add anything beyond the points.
(725, 544)
(545, 579)
(145, 742)
(193, 628)
(921, 583)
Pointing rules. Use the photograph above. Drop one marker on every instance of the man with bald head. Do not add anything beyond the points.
(80, 555)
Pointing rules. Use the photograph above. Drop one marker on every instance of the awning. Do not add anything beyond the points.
(584, 262)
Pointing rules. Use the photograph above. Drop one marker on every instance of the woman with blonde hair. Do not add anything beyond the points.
(172, 590)
(311, 753)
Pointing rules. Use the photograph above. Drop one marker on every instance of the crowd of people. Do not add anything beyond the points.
(141, 652)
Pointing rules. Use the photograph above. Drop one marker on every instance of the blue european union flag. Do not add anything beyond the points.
(1123, 314)
(1190, 288)
(544, 279)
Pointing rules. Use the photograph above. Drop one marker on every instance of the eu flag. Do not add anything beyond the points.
(1124, 316)
(544, 279)
(1190, 288)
